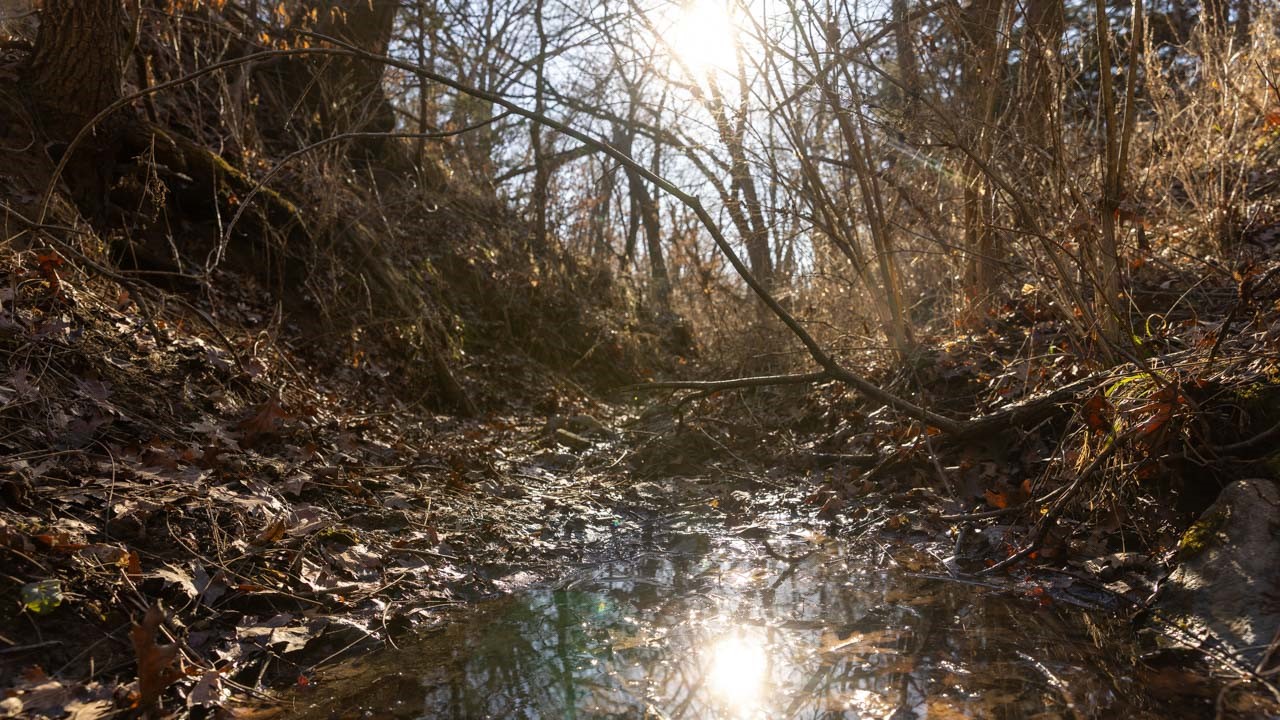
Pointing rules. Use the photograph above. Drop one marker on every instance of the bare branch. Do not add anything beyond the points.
(734, 384)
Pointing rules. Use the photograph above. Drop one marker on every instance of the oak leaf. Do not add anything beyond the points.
(156, 663)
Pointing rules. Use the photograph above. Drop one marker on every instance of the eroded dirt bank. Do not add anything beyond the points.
(283, 509)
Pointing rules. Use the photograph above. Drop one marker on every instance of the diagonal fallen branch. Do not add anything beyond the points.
(734, 384)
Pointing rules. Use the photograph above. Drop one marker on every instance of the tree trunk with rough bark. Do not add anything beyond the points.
(1041, 44)
(980, 83)
(350, 91)
(904, 45)
(646, 208)
(74, 73)
(316, 99)
(538, 142)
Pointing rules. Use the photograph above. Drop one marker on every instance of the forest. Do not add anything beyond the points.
(639, 359)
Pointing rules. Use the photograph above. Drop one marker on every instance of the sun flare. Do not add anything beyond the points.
(704, 37)
(738, 672)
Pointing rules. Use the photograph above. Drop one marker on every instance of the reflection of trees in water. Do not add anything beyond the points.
(634, 641)
(648, 627)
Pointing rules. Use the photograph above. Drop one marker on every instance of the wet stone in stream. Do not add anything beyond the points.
(697, 623)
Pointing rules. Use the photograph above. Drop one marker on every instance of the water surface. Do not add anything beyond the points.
(700, 621)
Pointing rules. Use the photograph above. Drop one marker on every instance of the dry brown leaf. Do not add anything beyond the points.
(1098, 414)
(133, 566)
(177, 576)
(208, 690)
(272, 532)
(996, 499)
(265, 420)
(45, 698)
(156, 663)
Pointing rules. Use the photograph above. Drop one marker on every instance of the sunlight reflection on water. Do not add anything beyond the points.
(738, 673)
(708, 626)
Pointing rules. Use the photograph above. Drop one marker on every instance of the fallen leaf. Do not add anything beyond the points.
(996, 499)
(830, 508)
(89, 710)
(42, 597)
(208, 690)
(278, 636)
(133, 566)
(46, 698)
(156, 662)
(176, 576)
(1160, 414)
(1098, 413)
(265, 420)
(272, 532)
(211, 588)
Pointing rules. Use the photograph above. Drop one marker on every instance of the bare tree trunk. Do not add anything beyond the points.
(542, 171)
(74, 73)
(979, 94)
(1041, 44)
(908, 67)
(319, 99)
(354, 96)
(748, 215)
(624, 139)
(426, 58)
(1244, 22)
(658, 274)
(647, 208)
(644, 212)
(600, 211)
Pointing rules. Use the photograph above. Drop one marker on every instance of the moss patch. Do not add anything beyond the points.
(1198, 537)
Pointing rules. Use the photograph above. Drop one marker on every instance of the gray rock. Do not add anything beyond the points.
(1227, 583)
(588, 426)
(584, 425)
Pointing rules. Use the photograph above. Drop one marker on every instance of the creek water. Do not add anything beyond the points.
(696, 620)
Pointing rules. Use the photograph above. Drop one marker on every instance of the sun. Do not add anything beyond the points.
(704, 37)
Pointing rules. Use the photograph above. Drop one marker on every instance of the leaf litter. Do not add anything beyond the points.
(283, 518)
(290, 514)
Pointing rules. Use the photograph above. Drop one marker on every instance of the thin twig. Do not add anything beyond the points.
(734, 384)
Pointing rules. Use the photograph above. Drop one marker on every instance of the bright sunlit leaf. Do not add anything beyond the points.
(42, 597)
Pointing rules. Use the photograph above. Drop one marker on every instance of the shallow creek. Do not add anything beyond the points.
(695, 620)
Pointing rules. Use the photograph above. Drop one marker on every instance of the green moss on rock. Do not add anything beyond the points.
(1201, 533)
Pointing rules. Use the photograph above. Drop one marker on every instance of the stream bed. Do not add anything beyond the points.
(694, 619)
